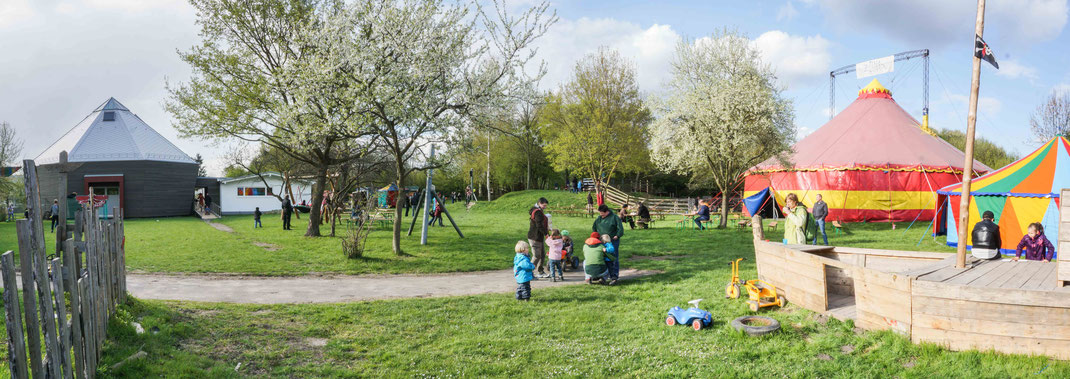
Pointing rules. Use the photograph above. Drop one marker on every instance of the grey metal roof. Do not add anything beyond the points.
(127, 138)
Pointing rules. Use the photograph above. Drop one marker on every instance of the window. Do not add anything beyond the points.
(253, 191)
(109, 116)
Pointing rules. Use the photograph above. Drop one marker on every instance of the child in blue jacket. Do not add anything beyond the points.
(522, 268)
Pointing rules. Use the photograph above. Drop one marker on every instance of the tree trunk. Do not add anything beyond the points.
(317, 198)
(488, 168)
(724, 210)
(396, 239)
(527, 181)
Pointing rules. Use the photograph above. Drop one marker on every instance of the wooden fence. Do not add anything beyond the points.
(68, 297)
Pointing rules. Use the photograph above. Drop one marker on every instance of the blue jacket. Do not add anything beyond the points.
(522, 268)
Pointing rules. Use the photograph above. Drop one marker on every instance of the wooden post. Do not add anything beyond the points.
(61, 234)
(971, 122)
(16, 348)
(72, 276)
(45, 313)
(756, 228)
(64, 352)
(29, 301)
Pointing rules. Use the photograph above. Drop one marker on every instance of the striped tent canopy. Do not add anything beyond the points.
(1021, 193)
(872, 162)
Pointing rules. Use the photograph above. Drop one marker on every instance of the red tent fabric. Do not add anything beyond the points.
(872, 162)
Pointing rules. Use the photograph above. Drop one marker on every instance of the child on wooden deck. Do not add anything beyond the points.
(522, 268)
(553, 250)
(1036, 246)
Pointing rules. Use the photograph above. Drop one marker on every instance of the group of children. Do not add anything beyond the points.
(597, 251)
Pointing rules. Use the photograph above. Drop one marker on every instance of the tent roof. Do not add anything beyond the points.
(1042, 173)
(874, 132)
(126, 138)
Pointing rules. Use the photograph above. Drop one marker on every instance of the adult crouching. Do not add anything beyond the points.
(607, 223)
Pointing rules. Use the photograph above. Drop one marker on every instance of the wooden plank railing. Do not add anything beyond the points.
(90, 270)
(664, 206)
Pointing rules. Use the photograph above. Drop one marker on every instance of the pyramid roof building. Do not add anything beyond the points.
(113, 133)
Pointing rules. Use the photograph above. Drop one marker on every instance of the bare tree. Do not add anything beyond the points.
(1052, 118)
(10, 150)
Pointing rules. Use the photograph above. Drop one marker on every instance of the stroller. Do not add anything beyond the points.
(570, 260)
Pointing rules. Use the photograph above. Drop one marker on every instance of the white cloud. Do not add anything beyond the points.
(650, 49)
(798, 60)
(63, 58)
(786, 12)
(985, 105)
(1012, 69)
(1062, 87)
(937, 23)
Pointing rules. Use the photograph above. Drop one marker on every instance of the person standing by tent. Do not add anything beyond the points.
(1036, 246)
(287, 211)
(608, 224)
(986, 241)
(820, 211)
(405, 204)
(538, 228)
(795, 223)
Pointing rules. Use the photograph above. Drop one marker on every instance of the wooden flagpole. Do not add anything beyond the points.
(971, 122)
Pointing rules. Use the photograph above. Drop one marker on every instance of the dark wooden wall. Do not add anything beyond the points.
(151, 188)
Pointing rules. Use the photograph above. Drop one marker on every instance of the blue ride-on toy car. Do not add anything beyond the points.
(693, 316)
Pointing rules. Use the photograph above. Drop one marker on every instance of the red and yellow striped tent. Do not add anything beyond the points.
(1019, 194)
(872, 162)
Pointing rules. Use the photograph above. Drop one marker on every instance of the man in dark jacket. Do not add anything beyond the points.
(644, 215)
(986, 240)
(287, 211)
(539, 227)
(820, 211)
(403, 202)
(607, 223)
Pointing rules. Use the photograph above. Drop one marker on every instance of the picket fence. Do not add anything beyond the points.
(68, 296)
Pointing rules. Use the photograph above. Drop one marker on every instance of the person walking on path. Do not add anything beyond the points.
(538, 229)
(287, 211)
(986, 241)
(608, 224)
(590, 202)
(522, 271)
(54, 215)
(795, 224)
(820, 211)
(1035, 245)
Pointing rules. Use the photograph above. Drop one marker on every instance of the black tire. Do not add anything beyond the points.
(765, 325)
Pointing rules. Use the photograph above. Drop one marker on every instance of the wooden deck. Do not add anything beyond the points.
(1023, 274)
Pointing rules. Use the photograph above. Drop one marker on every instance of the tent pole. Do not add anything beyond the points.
(971, 122)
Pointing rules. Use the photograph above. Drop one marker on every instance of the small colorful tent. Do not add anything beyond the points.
(1021, 193)
(872, 162)
(388, 196)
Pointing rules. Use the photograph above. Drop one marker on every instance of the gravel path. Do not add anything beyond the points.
(334, 288)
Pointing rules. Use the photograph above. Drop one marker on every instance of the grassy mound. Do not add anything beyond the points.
(521, 201)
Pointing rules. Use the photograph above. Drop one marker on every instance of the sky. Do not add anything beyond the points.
(62, 58)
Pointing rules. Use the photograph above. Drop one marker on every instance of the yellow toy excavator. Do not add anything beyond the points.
(732, 290)
(761, 294)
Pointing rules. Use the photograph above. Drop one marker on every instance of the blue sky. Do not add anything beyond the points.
(62, 58)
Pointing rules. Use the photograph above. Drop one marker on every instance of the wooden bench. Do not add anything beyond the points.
(772, 226)
(742, 224)
(836, 224)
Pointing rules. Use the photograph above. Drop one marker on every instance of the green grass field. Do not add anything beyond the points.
(572, 331)
(188, 245)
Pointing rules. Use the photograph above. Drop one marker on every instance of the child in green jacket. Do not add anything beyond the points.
(595, 257)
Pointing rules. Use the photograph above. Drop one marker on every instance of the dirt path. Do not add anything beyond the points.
(218, 226)
(334, 289)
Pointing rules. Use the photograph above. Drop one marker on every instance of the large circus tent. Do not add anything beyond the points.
(872, 162)
(1021, 193)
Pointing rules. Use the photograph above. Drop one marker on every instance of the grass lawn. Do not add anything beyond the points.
(188, 245)
(574, 331)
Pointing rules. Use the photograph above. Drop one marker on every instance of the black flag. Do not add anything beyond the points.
(982, 51)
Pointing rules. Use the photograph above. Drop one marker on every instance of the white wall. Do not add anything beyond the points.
(231, 203)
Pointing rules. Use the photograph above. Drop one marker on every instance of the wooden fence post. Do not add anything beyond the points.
(16, 348)
(64, 353)
(29, 300)
(72, 276)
